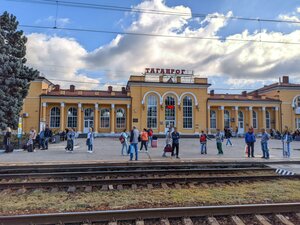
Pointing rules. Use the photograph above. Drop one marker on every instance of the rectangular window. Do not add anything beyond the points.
(152, 116)
(187, 117)
(213, 120)
(297, 123)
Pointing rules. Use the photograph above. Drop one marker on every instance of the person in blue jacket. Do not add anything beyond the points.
(250, 140)
(286, 143)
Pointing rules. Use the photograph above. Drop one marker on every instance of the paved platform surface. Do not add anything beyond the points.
(109, 149)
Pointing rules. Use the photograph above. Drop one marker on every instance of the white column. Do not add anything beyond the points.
(250, 122)
(44, 111)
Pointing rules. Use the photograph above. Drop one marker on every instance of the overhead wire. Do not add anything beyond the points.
(152, 11)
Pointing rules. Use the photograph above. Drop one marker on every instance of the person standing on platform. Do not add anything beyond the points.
(90, 140)
(150, 136)
(168, 145)
(203, 142)
(70, 140)
(134, 140)
(264, 144)
(124, 141)
(47, 135)
(219, 140)
(144, 139)
(228, 135)
(175, 142)
(6, 140)
(286, 143)
(250, 140)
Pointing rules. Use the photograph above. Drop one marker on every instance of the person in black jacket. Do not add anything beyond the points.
(6, 140)
(175, 142)
(47, 136)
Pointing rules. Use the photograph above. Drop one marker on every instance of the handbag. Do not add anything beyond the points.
(168, 148)
(88, 141)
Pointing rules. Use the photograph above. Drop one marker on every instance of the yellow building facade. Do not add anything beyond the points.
(158, 99)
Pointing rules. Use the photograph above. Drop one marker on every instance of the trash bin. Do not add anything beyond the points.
(154, 142)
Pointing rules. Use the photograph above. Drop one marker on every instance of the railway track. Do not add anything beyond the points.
(87, 178)
(264, 214)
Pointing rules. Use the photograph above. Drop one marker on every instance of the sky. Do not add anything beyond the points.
(203, 36)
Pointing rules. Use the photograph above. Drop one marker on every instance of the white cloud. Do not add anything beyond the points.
(58, 59)
(289, 17)
(235, 59)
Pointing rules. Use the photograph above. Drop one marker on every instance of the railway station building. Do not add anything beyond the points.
(160, 98)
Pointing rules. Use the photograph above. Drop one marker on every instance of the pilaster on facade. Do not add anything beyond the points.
(44, 111)
(264, 124)
(236, 116)
(79, 118)
(250, 113)
(208, 120)
(128, 118)
(112, 119)
(221, 117)
(62, 116)
(277, 118)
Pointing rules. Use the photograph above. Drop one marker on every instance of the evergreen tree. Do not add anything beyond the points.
(15, 76)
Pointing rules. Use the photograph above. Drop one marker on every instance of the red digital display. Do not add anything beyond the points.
(170, 106)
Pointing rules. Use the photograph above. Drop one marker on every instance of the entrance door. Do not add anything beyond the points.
(241, 123)
(170, 112)
(88, 119)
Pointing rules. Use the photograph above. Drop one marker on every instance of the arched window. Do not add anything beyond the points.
(213, 119)
(105, 118)
(170, 113)
(121, 119)
(297, 123)
(55, 117)
(268, 120)
(152, 111)
(226, 119)
(298, 102)
(254, 119)
(72, 117)
(187, 112)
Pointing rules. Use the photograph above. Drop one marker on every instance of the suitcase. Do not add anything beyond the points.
(154, 143)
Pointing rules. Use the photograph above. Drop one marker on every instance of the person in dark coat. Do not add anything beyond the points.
(6, 140)
(175, 142)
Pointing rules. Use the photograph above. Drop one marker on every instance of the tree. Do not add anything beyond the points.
(15, 76)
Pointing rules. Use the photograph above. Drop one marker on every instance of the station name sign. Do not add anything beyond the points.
(167, 71)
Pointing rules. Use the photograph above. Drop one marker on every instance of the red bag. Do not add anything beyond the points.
(168, 148)
(203, 138)
(121, 139)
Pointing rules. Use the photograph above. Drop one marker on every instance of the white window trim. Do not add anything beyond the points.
(256, 119)
(120, 117)
(72, 117)
(214, 119)
(55, 116)
(156, 117)
(190, 128)
(105, 117)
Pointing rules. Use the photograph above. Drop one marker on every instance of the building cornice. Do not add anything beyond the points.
(85, 97)
(246, 101)
(158, 84)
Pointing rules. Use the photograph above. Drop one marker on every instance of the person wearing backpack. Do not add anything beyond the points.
(203, 142)
(144, 139)
(124, 141)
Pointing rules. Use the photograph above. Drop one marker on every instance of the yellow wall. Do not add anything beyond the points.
(137, 110)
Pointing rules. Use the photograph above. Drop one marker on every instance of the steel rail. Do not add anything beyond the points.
(141, 164)
(152, 180)
(150, 213)
(29, 169)
(134, 172)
